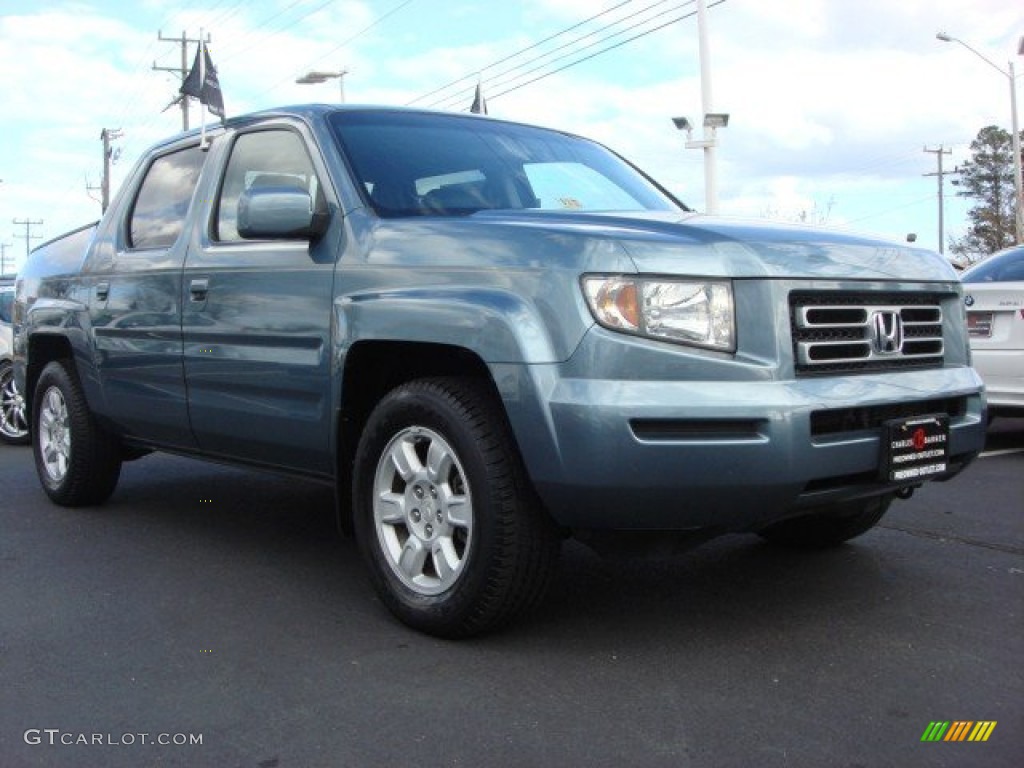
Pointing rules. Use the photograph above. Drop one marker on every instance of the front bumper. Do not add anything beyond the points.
(724, 455)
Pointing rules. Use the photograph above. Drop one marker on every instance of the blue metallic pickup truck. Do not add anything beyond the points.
(487, 337)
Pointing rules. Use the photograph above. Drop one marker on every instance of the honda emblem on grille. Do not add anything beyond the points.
(888, 332)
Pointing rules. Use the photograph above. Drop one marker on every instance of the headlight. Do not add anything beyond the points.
(696, 312)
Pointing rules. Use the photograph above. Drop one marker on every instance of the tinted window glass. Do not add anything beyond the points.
(264, 158)
(414, 164)
(574, 186)
(1005, 266)
(158, 215)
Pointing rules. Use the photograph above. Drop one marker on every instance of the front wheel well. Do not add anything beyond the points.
(374, 368)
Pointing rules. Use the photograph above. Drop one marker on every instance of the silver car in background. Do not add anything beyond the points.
(13, 426)
(994, 295)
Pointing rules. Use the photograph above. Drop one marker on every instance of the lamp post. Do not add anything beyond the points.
(1018, 213)
(712, 120)
(317, 76)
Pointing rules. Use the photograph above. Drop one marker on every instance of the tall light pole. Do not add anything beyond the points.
(1018, 185)
(317, 76)
(712, 120)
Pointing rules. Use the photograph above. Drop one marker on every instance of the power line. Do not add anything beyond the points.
(603, 50)
(343, 43)
(230, 54)
(448, 100)
(364, 30)
(519, 52)
(892, 208)
(225, 14)
(28, 236)
(509, 81)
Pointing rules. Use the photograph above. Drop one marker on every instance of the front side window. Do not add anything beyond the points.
(273, 158)
(158, 215)
(416, 164)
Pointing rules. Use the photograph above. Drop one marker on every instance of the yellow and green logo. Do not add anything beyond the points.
(959, 730)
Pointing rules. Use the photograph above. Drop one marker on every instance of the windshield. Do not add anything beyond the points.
(421, 164)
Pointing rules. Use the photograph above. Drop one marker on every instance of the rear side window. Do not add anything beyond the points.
(158, 215)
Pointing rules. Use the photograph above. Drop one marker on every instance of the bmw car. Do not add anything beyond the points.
(994, 295)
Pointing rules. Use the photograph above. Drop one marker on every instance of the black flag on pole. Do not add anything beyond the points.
(202, 83)
(479, 105)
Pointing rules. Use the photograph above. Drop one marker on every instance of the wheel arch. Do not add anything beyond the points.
(372, 368)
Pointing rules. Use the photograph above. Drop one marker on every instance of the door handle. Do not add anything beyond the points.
(102, 291)
(198, 288)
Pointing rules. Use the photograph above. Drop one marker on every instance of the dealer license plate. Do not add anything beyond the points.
(915, 448)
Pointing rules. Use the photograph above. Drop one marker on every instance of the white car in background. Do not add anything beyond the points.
(994, 295)
(13, 426)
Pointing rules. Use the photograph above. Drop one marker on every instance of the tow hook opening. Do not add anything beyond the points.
(906, 493)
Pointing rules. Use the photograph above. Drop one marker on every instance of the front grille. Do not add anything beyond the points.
(843, 420)
(848, 332)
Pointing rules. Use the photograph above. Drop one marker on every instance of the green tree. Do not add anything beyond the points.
(987, 178)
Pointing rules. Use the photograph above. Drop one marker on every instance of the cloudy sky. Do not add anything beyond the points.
(831, 102)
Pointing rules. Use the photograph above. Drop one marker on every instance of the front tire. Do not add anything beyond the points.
(453, 535)
(77, 461)
(830, 526)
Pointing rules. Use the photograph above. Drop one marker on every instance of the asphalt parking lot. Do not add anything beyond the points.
(215, 603)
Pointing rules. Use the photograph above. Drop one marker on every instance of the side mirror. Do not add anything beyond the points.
(278, 213)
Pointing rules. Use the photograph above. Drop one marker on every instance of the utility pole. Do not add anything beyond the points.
(940, 173)
(106, 136)
(28, 224)
(181, 71)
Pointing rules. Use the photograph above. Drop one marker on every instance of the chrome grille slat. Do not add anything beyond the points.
(842, 332)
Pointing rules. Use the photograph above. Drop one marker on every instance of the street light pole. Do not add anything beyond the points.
(710, 176)
(1018, 184)
(712, 120)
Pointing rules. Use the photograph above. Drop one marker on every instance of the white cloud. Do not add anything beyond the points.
(828, 100)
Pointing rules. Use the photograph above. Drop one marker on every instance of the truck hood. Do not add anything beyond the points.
(695, 244)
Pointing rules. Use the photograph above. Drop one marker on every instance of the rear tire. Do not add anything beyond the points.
(830, 526)
(77, 461)
(453, 535)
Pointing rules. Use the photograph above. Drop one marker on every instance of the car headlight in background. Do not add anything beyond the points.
(695, 312)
